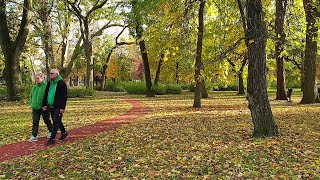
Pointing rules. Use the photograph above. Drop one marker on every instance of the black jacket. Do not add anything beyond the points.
(60, 97)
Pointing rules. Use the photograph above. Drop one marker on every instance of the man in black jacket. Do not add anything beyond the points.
(55, 100)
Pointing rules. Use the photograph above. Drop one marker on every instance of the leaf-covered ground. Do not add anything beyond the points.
(16, 118)
(175, 141)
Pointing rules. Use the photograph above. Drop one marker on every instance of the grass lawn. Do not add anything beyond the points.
(174, 141)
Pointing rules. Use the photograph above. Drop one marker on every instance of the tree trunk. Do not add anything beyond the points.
(147, 73)
(309, 69)
(88, 52)
(241, 90)
(104, 69)
(65, 71)
(143, 51)
(156, 79)
(46, 38)
(198, 64)
(279, 48)
(64, 51)
(301, 72)
(263, 121)
(204, 91)
(76, 83)
(177, 72)
(13, 49)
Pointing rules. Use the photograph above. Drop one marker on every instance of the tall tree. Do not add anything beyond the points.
(244, 62)
(12, 49)
(143, 49)
(105, 66)
(263, 121)
(156, 79)
(43, 11)
(84, 21)
(309, 68)
(239, 73)
(281, 6)
(199, 65)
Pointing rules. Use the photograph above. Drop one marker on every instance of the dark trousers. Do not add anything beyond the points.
(57, 122)
(36, 118)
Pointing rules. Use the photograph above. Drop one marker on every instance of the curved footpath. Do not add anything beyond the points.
(10, 151)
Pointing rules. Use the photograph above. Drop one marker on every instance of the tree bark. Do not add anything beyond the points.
(204, 91)
(156, 79)
(87, 43)
(262, 118)
(46, 37)
(241, 90)
(105, 66)
(143, 50)
(86, 35)
(177, 72)
(13, 49)
(302, 71)
(65, 71)
(309, 69)
(147, 73)
(279, 48)
(199, 65)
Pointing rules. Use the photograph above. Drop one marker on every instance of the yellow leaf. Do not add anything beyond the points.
(112, 169)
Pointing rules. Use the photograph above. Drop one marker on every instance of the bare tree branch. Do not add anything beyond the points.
(293, 61)
(96, 6)
(225, 53)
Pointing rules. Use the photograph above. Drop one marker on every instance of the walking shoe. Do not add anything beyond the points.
(63, 136)
(50, 142)
(49, 135)
(33, 139)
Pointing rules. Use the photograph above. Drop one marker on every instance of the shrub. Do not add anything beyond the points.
(25, 93)
(3, 92)
(114, 87)
(135, 87)
(173, 89)
(227, 88)
(185, 86)
(160, 89)
(192, 87)
(79, 92)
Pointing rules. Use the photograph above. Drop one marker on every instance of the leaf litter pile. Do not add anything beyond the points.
(176, 141)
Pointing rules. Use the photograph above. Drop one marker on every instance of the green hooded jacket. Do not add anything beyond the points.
(36, 95)
(52, 91)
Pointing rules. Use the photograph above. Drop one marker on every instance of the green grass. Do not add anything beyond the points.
(176, 141)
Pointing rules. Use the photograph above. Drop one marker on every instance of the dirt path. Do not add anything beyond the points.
(10, 151)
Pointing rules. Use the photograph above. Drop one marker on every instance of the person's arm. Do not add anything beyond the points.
(64, 93)
(30, 96)
(45, 97)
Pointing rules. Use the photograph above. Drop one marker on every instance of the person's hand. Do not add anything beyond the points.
(62, 111)
(44, 108)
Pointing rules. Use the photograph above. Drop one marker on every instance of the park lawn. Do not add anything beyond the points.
(176, 141)
(16, 117)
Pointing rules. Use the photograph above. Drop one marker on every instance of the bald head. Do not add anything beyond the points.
(54, 73)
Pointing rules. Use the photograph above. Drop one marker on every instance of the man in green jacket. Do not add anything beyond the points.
(55, 100)
(36, 103)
